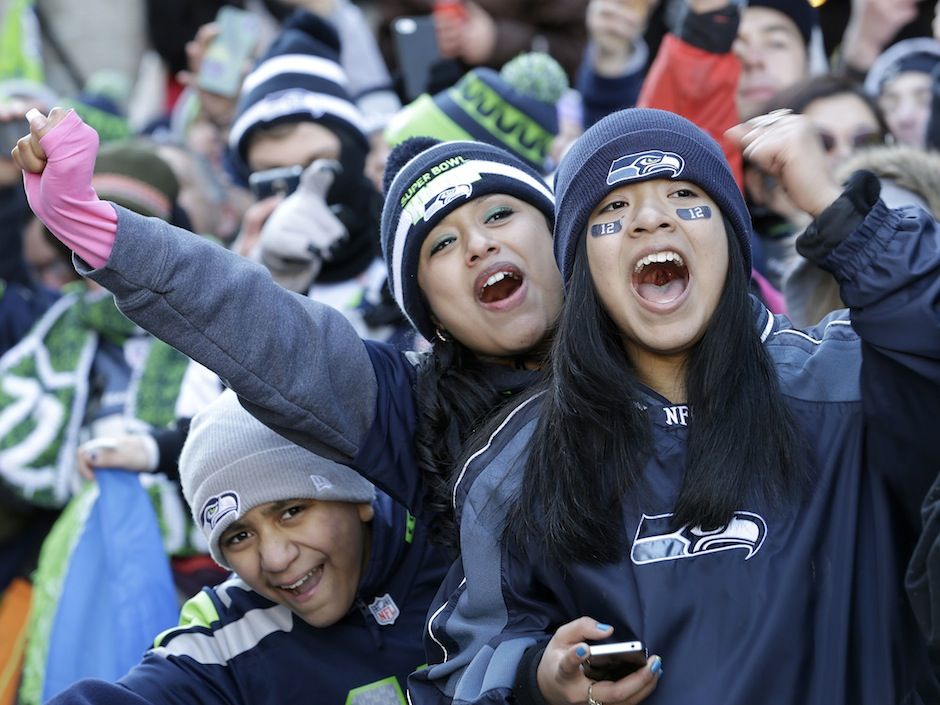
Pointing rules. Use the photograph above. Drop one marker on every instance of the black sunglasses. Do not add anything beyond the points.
(866, 138)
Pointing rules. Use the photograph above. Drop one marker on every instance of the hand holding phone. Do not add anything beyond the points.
(227, 57)
(611, 662)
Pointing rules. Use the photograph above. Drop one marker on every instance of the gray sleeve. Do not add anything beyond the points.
(299, 363)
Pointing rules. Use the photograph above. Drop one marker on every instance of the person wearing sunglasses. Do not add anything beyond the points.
(846, 118)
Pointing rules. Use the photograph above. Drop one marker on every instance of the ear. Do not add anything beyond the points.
(366, 512)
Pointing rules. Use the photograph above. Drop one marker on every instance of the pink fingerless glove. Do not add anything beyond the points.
(62, 196)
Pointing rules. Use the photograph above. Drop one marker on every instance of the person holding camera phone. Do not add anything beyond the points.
(331, 579)
(739, 495)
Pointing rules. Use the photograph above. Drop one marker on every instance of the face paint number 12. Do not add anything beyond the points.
(694, 213)
(610, 228)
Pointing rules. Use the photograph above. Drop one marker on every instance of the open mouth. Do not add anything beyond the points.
(498, 284)
(661, 277)
(305, 583)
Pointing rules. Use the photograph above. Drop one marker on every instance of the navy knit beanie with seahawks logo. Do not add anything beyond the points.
(299, 78)
(430, 185)
(640, 144)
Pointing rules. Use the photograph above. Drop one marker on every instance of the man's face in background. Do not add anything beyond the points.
(773, 57)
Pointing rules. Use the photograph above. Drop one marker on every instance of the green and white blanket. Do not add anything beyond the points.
(45, 394)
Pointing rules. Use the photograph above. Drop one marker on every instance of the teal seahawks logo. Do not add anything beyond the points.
(658, 540)
(216, 507)
(642, 164)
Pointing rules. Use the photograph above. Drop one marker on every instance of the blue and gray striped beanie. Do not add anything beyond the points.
(299, 78)
(640, 144)
(429, 185)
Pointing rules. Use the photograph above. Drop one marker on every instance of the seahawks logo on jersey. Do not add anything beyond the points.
(643, 164)
(444, 197)
(657, 540)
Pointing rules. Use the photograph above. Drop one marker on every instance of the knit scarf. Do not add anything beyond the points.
(44, 396)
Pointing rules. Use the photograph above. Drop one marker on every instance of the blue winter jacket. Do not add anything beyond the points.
(235, 647)
(801, 604)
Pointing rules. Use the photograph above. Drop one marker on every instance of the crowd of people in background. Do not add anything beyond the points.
(445, 339)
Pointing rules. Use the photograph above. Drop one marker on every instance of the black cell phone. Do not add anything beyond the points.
(611, 662)
(10, 133)
(281, 181)
(416, 51)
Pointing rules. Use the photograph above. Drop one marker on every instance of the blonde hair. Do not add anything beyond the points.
(810, 292)
(912, 169)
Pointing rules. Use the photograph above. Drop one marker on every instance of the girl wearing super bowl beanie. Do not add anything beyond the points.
(466, 235)
(739, 496)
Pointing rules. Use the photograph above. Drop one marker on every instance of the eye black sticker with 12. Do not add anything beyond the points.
(615, 226)
(696, 213)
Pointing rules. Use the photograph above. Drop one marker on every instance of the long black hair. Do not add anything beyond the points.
(592, 440)
(457, 394)
(451, 395)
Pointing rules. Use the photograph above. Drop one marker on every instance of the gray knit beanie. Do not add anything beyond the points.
(640, 144)
(232, 463)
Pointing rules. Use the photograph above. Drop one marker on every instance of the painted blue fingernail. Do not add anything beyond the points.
(581, 652)
(603, 627)
(657, 666)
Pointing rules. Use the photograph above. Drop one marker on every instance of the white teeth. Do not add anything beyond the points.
(498, 277)
(657, 257)
(301, 581)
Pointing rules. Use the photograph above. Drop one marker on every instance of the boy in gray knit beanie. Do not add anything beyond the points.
(283, 518)
(333, 580)
(232, 463)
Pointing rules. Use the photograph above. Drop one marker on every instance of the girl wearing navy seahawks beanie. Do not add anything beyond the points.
(695, 474)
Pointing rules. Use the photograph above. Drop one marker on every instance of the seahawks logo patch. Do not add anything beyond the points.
(217, 507)
(657, 540)
(445, 197)
(643, 164)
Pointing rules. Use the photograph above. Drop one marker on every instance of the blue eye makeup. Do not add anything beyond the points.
(497, 213)
(441, 243)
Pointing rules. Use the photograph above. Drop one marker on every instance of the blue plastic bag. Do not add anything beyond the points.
(117, 594)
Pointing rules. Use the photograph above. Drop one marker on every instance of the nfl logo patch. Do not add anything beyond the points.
(384, 610)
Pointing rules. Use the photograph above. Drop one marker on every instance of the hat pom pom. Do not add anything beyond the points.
(536, 75)
(402, 154)
(314, 26)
